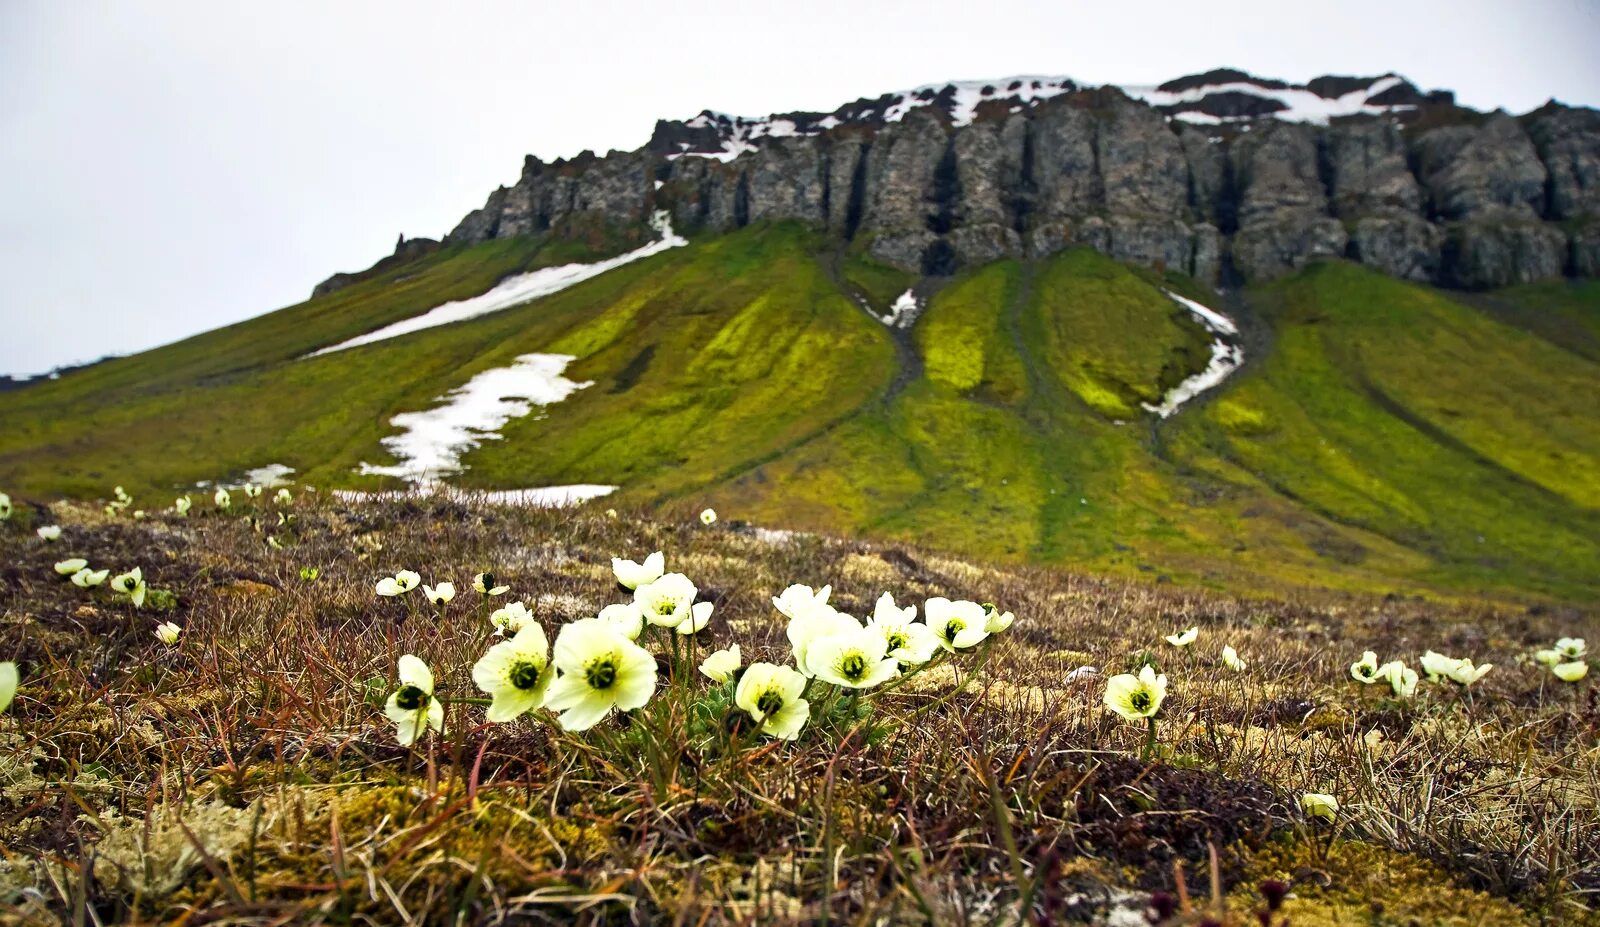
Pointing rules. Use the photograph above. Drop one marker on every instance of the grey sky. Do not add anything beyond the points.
(170, 167)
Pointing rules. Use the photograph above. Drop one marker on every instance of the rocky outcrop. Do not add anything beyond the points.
(405, 250)
(942, 178)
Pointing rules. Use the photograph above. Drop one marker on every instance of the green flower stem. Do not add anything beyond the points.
(983, 658)
(1149, 739)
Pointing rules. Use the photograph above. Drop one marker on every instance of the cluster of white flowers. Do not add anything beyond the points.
(1566, 659)
(598, 666)
(1402, 679)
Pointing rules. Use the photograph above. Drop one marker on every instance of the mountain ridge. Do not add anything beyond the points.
(1224, 176)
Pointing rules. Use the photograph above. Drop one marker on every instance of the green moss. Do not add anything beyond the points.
(1360, 883)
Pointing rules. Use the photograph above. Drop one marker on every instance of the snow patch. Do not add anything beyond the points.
(431, 443)
(546, 497)
(1302, 105)
(903, 311)
(514, 291)
(270, 477)
(1225, 358)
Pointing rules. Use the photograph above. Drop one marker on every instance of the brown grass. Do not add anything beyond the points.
(248, 776)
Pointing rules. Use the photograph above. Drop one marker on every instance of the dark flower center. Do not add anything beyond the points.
(488, 581)
(1140, 700)
(524, 675)
(601, 674)
(770, 702)
(897, 640)
(952, 628)
(410, 698)
(853, 666)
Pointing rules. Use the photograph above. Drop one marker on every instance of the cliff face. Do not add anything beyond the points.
(1220, 175)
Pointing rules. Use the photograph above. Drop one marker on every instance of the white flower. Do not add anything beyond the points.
(87, 578)
(1183, 638)
(996, 621)
(1463, 672)
(512, 618)
(1466, 674)
(905, 639)
(816, 623)
(633, 575)
(8, 680)
(49, 532)
(412, 707)
(699, 616)
(708, 517)
(441, 594)
(770, 694)
(1365, 670)
(69, 567)
(1437, 665)
(167, 633)
(798, 600)
(1573, 648)
(611, 513)
(626, 617)
(132, 585)
(1230, 659)
(484, 584)
(273, 542)
(1136, 697)
(856, 659)
(515, 674)
(667, 602)
(600, 670)
(1320, 805)
(138, 514)
(5, 513)
(122, 496)
(399, 584)
(283, 497)
(1548, 657)
(252, 490)
(181, 505)
(1402, 678)
(721, 666)
(223, 498)
(957, 625)
(1570, 672)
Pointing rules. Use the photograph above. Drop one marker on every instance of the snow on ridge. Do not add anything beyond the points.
(431, 443)
(1303, 105)
(514, 291)
(962, 98)
(1225, 358)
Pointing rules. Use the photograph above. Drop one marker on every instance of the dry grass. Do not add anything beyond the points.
(248, 775)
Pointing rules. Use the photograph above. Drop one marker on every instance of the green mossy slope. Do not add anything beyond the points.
(1382, 435)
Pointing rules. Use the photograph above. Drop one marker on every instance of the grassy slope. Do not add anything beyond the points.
(1389, 437)
(236, 397)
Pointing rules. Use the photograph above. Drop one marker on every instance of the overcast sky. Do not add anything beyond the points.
(169, 167)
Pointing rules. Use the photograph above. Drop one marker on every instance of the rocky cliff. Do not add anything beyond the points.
(1221, 175)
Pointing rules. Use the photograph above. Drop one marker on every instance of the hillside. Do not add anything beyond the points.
(1381, 434)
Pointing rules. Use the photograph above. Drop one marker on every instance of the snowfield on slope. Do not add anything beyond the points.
(1225, 358)
(514, 291)
(430, 444)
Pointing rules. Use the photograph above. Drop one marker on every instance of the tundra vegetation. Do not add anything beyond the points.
(297, 708)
